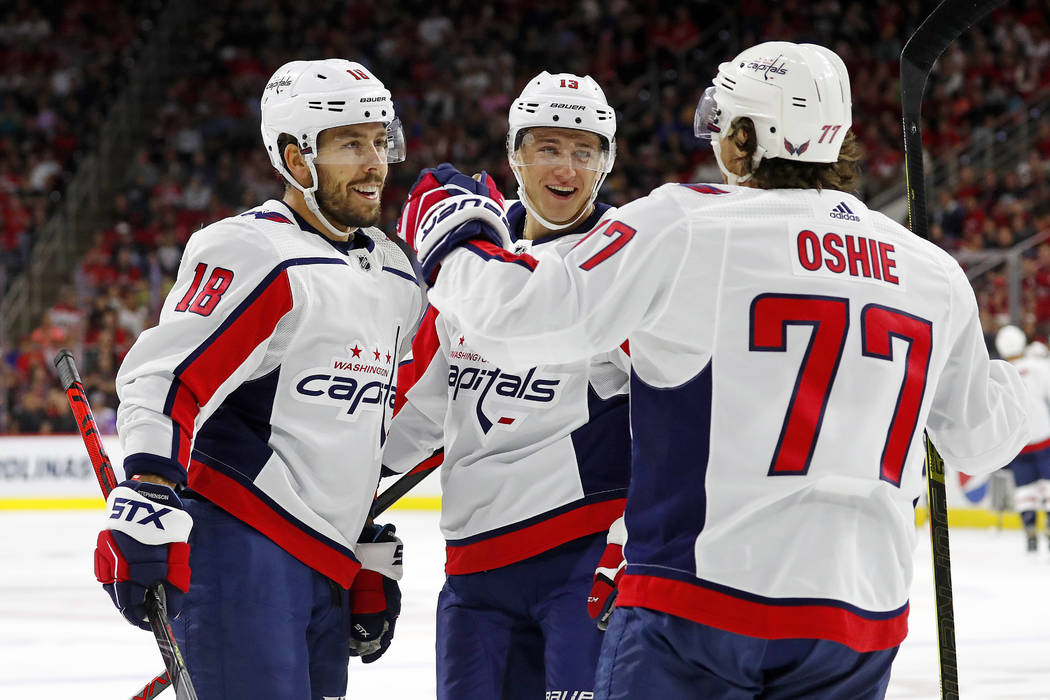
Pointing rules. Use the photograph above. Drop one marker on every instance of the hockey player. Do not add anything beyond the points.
(1031, 468)
(270, 380)
(535, 461)
(788, 348)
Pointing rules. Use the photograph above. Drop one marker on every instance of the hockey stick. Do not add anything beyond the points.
(156, 602)
(943, 26)
(407, 482)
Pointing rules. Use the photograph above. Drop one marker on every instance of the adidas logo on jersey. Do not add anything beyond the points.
(843, 212)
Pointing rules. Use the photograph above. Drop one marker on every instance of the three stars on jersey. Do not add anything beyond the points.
(360, 380)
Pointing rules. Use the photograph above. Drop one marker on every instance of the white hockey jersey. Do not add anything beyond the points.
(532, 459)
(1035, 373)
(787, 349)
(271, 378)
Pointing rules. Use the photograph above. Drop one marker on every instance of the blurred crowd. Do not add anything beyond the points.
(454, 69)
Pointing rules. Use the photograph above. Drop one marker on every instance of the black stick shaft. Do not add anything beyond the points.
(406, 483)
(943, 26)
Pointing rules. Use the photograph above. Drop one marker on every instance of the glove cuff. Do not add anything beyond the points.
(380, 550)
(164, 467)
(617, 532)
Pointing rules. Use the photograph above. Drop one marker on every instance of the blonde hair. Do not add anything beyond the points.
(778, 173)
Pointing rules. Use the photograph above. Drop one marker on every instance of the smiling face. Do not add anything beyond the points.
(558, 168)
(351, 169)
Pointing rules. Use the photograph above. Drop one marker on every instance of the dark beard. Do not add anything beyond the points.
(334, 204)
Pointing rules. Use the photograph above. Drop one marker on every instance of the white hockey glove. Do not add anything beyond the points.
(445, 209)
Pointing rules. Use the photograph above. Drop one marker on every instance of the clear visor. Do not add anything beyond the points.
(588, 152)
(364, 146)
(706, 119)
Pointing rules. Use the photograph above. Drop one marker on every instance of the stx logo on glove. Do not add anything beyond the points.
(130, 507)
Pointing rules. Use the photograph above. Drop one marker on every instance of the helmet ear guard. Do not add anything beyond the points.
(565, 101)
(796, 95)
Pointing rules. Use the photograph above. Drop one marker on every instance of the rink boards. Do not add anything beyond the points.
(41, 472)
(53, 472)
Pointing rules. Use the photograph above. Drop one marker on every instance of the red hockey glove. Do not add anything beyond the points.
(375, 597)
(601, 601)
(144, 541)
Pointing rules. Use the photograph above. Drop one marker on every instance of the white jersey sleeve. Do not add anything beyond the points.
(230, 290)
(592, 298)
(977, 399)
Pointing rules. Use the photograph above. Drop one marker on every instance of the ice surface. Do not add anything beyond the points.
(61, 638)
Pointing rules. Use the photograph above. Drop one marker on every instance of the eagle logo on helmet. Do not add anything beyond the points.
(795, 151)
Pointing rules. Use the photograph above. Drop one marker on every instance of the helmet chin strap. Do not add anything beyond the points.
(731, 177)
(550, 225)
(309, 195)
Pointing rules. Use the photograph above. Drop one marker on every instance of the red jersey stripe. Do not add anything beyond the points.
(491, 250)
(425, 345)
(1036, 446)
(237, 500)
(221, 355)
(429, 464)
(529, 541)
(184, 412)
(761, 620)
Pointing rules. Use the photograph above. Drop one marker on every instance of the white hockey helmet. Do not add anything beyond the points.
(303, 98)
(1010, 341)
(567, 101)
(797, 96)
(1037, 348)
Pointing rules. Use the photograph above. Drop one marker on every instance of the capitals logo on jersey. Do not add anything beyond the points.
(502, 398)
(361, 380)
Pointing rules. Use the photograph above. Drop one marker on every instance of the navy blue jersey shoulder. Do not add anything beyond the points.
(516, 219)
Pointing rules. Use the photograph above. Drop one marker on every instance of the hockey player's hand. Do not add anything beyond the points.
(446, 208)
(144, 541)
(607, 576)
(375, 598)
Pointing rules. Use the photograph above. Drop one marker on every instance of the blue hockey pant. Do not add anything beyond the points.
(648, 654)
(521, 631)
(256, 622)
